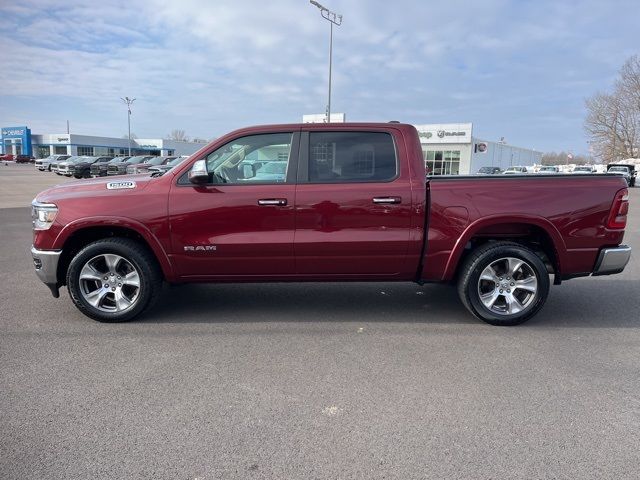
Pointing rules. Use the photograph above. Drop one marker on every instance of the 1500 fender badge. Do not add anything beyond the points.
(200, 248)
(120, 185)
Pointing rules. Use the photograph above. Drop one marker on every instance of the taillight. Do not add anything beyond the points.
(619, 210)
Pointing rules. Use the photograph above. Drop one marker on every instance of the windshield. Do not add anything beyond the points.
(548, 169)
(119, 159)
(176, 161)
(81, 159)
(582, 169)
(156, 161)
(136, 160)
(619, 169)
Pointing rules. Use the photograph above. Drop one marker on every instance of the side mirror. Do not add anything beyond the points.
(248, 171)
(198, 173)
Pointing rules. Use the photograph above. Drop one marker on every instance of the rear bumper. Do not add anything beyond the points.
(46, 265)
(612, 260)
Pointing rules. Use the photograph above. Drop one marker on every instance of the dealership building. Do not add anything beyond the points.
(20, 140)
(451, 149)
(448, 148)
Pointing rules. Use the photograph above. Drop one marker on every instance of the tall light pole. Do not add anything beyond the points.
(128, 101)
(334, 19)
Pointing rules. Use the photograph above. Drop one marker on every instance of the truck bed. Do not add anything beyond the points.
(566, 210)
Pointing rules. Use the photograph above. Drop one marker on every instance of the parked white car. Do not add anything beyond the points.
(584, 169)
(516, 170)
(547, 169)
(43, 164)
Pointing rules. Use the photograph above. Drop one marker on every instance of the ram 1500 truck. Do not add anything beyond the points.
(326, 202)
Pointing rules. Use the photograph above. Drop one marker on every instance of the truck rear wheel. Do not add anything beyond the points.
(114, 280)
(503, 283)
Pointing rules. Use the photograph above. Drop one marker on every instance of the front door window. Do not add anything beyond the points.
(255, 158)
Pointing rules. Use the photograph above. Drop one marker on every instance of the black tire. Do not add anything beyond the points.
(138, 255)
(469, 284)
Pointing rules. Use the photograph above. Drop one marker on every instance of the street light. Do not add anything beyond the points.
(128, 101)
(334, 19)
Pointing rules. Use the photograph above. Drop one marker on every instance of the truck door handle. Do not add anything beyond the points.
(378, 200)
(279, 202)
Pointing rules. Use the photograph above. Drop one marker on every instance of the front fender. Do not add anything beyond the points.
(120, 222)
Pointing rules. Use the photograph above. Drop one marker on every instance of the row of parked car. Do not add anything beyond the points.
(519, 170)
(628, 171)
(81, 166)
(8, 157)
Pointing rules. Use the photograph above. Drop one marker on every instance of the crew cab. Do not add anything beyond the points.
(144, 167)
(515, 170)
(43, 164)
(82, 168)
(627, 171)
(583, 169)
(79, 166)
(120, 168)
(352, 203)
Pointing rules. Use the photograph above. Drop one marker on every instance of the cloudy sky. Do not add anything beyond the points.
(516, 69)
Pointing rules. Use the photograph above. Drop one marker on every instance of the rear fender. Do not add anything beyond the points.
(475, 227)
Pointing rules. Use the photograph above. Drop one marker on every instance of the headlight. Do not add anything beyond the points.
(43, 215)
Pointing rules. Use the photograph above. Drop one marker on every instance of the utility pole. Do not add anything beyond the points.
(334, 19)
(128, 102)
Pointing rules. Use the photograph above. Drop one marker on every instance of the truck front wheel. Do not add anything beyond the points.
(113, 280)
(503, 283)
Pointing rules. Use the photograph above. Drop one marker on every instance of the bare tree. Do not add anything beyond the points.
(613, 119)
(562, 158)
(178, 135)
(133, 136)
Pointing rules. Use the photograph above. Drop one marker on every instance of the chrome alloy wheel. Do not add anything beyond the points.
(507, 286)
(109, 283)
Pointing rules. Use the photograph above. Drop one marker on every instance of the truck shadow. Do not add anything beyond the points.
(309, 302)
(581, 303)
(596, 302)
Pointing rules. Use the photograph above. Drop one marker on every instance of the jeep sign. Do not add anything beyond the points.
(445, 133)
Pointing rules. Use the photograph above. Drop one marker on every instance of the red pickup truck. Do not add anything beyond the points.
(326, 202)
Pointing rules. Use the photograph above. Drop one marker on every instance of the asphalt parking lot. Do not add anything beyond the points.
(310, 381)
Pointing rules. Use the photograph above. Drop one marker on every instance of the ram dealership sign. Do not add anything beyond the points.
(445, 132)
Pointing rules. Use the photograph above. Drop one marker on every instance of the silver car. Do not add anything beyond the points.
(43, 164)
(67, 167)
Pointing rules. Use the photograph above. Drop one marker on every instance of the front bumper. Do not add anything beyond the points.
(46, 265)
(612, 260)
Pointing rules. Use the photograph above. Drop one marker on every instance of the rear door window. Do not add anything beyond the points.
(348, 157)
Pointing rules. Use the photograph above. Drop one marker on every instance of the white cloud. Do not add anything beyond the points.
(210, 66)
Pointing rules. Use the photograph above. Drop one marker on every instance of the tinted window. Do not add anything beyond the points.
(351, 157)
